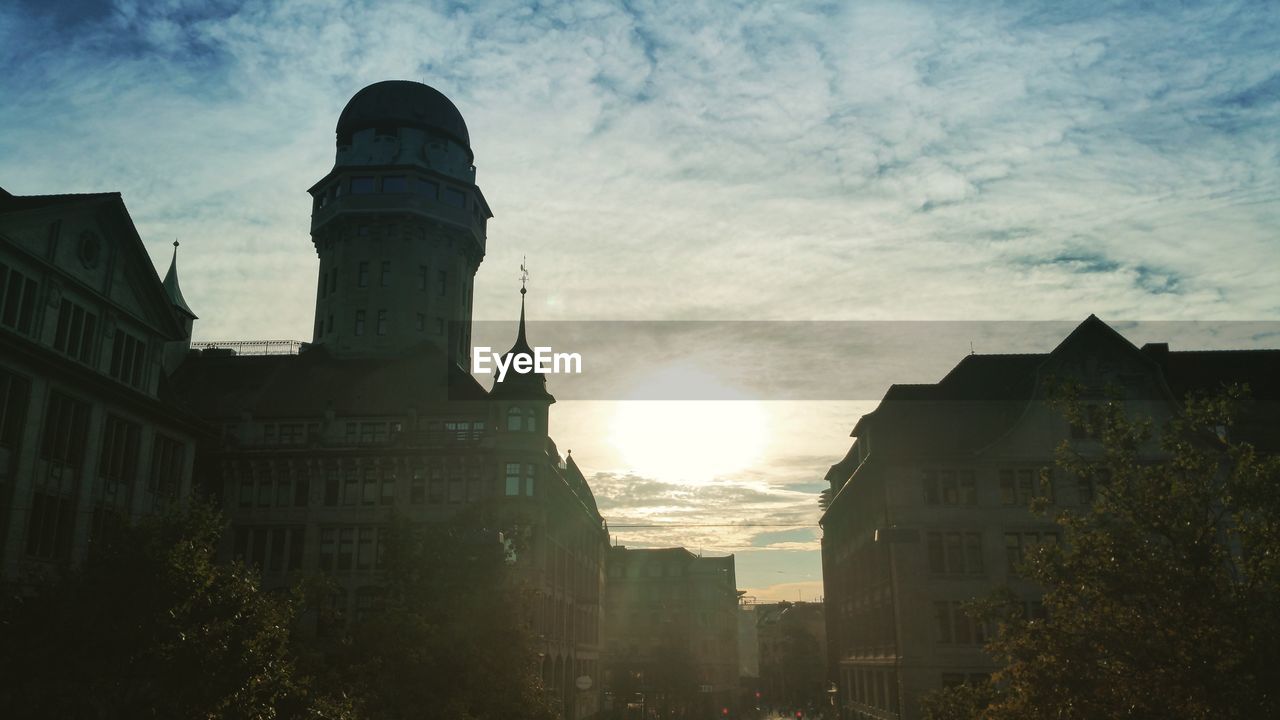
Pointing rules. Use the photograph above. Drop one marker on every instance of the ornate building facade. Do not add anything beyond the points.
(90, 431)
(377, 417)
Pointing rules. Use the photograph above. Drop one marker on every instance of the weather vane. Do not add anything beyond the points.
(524, 273)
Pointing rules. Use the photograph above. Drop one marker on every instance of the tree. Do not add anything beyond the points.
(449, 637)
(152, 627)
(1164, 600)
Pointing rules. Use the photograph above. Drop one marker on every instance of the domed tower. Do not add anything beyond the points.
(399, 226)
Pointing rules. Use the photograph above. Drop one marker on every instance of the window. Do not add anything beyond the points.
(14, 392)
(1018, 486)
(426, 188)
(968, 488)
(370, 485)
(76, 331)
(362, 185)
(457, 488)
(440, 326)
(388, 488)
(350, 487)
(454, 197)
(442, 277)
(50, 525)
(949, 487)
(955, 553)
(293, 434)
(385, 275)
(17, 299)
(955, 626)
(435, 494)
(1017, 546)
(513, 479)
(331, 487)
(515, 419)
(362, 274)
(382, 322)
(395, 184)
(333, 280)
(359, 322)
(118, 464)
(528, 480)
(346, 547)
(65, 429)
(328, 325)
(422, 277)
(418, 487)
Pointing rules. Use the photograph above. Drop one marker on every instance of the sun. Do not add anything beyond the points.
(684, 425)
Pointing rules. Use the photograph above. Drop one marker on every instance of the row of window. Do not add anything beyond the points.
(373, 486)
(271, 549)
(329, 284)
(960, 553)
(1018, 487)
(325, 327)
(395, 185)
(364, 433)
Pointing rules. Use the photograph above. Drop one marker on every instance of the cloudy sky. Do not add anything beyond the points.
(662, 161)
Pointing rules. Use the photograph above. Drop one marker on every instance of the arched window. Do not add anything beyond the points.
(515, 419)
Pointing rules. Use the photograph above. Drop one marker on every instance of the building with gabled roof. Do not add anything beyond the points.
(929, 508)
(91, 430)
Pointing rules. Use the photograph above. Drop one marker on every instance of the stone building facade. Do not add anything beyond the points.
(378, 417)
(929, 509)
(90, 433)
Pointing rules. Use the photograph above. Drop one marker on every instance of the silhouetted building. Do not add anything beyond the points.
(378, 414)
(671, 634)
(929, 509)
(792, 643)
(89, 432)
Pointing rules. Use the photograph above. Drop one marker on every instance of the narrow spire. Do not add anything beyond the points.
(171, 285)
(521, 342)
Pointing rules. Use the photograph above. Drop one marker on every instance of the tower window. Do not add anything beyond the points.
(454, 197)
(444, 282)
(329, 324)
(362, 186)
(513, 479)
(427, 188)
(515, 419)
(422, 277)
(359, 322)
(385, 280)
(439, 326)
(422, 322)
(362, 275)
(333, 280)
(395, 184)
(382, 322)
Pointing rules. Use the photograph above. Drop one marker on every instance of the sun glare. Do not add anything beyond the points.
(719, 431)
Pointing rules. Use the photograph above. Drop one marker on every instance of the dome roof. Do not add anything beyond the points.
(402, 103)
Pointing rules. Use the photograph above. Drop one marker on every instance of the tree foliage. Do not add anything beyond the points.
(449, 637)
(1164, 599)
(152, 627)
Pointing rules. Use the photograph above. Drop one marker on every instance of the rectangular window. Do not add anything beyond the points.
(440, 326)
(118, 463)
(331, 488)
(457, 487)
(328, 548)
(930, 480)
(364, 548)
(395, 184)
(436, 489)
(76, 330)
(293, 434)
(513, 479)
(422, 322)
(246, 492)
(362, 186)
(422, 277)
(350, 487)
(425, 188)
(937, 554)
(328, 325)
(453, 196)
(388, 489)
(382, 322)
(14, 394)
(297, 544)
(302, 491)
(346, 547)
(442, 278)
(362, 274)
(128, 359)
(370, 485)
(333, 280)
(359, 322)
(968, 488)
(284, 491)
(418, 487)
(384, 276)
(17, 299)
(66, 428)
(950, 491)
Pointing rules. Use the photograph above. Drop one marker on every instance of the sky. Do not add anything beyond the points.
(701, 161)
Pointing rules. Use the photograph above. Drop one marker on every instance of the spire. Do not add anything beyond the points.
(171, 285)
(528, 385)
(522, 344)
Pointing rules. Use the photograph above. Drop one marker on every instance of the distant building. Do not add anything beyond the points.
(929, 507)
(792, 641)
(672, 636)
(90, 433)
